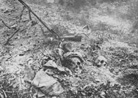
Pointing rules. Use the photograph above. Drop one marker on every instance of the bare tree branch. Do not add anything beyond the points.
(30, 18)
(7, 42)
(5, 24)
(42, 22)
(20, 17)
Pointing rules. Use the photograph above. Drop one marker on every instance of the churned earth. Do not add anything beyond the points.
(109, 26)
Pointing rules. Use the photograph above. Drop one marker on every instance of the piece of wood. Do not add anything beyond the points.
(5, 24)
(30, 18)
(7, 42)
(20, 17)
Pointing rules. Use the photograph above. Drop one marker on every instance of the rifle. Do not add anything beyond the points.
(43, 23)
(75, 38)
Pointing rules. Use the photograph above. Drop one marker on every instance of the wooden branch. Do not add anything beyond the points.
(7, 42)
(30, 18)
(20, 17)
(5, 24)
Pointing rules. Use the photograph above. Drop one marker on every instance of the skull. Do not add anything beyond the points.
(76, 65)
(101, 61)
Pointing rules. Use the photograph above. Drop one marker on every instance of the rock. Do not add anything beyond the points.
(46, 85)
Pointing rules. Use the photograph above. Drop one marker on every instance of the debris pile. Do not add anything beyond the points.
(47, 61)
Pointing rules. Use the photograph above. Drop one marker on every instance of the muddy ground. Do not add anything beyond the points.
(112, 25)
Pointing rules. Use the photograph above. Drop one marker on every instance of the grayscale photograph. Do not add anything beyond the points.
(68, 48)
